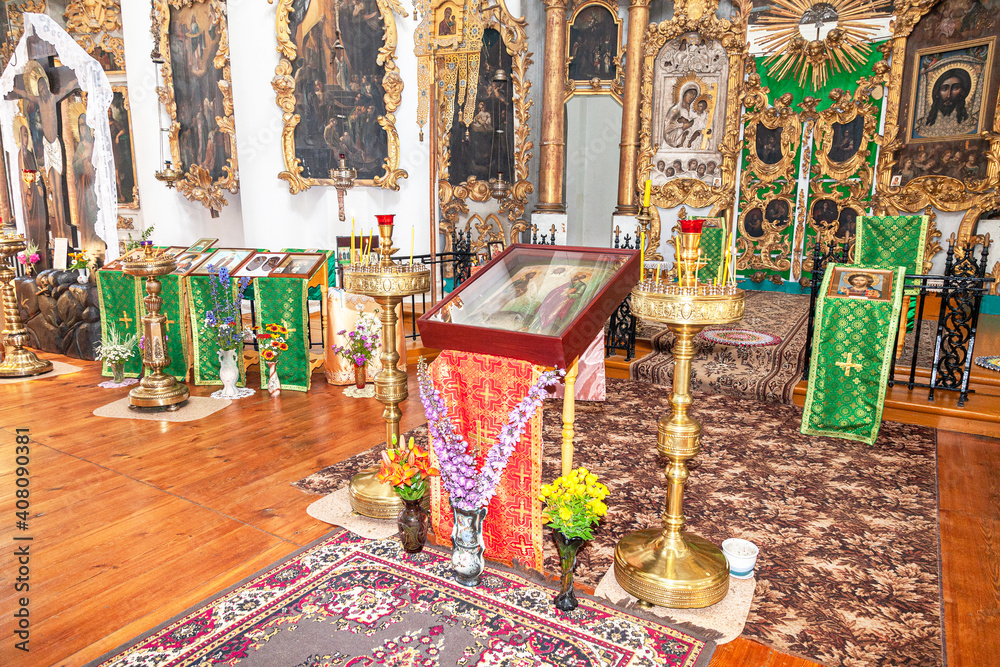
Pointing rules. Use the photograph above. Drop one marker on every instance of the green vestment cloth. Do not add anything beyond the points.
(172, 294)
(205, 349)
(713, 249)
(851, 356)
(120, 296)
(285, 301)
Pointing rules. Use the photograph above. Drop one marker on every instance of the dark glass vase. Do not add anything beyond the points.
(412, 522)
(467, 545)
(568, 548)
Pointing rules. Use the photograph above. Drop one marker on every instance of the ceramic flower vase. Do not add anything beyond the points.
(467, 545)
(118, 371)
(568, 548)
(359, 376)
(273, 382)
(412, 523)
(229, 373)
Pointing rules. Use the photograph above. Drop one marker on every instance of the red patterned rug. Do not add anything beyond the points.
(848, 534)
(350, 602)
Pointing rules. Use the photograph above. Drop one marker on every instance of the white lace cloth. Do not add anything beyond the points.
(94, 82)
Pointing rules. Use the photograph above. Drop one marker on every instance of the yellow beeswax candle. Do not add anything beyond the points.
(645, 199)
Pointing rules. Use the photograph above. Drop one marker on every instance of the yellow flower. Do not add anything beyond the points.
(591, 478)
(565, 514)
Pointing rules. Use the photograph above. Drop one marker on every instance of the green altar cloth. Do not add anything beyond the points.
(285, 301)
(851, 356)
(120, 297)
(173, 307)
(205, 349)
(888, 241)
(713, 249)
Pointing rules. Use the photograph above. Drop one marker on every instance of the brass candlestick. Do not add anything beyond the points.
(387, 282)
(668, 566)
(18, 362)
(156, 389)
(343, 180)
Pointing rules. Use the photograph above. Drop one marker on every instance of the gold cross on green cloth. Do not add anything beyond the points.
(847, 365)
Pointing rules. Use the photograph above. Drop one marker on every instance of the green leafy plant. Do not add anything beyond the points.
(132, 244)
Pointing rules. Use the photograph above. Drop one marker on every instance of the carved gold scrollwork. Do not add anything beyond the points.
(781, 117)
(197, 184)
(452, 199)
(765, 214)
(695, 16)
(283, 84)
(93, 16)
(112, 45)
(942, 192)
(846, 112)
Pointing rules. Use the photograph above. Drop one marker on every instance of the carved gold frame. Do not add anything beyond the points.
(283, 84)
(614, 87)
(113, 45)
(821, 188)
(197, 184)
(453, 200)
(942, 192)
(15, 23)
(781, 116)
(690, 191)
(846, 108)
(135, 176)
(756, 252)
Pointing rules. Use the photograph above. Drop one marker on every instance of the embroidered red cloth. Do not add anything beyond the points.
(479, 391)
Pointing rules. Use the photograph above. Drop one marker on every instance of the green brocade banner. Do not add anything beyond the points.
(852, 349)
(172, 293)
(713, 240)
(119, 296)
(892, 240)
(284, 301)
(206, 350)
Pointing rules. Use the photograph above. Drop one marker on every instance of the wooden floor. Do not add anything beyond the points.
(134, 521)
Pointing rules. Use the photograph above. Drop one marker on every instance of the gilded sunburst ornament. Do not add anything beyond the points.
(813, 38)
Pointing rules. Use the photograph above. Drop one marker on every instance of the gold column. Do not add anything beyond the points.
(638, 18)
(552, 153)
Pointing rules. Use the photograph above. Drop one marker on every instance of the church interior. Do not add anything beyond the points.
(694, 359)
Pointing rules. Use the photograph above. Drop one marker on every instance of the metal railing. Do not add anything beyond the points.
(960, 288)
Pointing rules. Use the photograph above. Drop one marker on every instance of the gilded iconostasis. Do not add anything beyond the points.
(788, 118)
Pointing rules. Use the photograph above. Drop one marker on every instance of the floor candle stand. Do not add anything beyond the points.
(388, 282)
(669, 566)
(156, 389)
(18, 361)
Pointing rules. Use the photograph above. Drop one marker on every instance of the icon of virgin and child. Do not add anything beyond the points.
(539, 299)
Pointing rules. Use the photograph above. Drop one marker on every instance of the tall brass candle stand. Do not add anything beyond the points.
(669, 566)
(18, 362)
(387, 282)
(156, 389)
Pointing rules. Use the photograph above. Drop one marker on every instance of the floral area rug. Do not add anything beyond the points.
(346, 601)
(848, 534)
(763, 372)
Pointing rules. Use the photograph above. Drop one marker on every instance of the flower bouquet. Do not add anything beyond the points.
(29, 257)
(272, 344)
(408, 470)
(225, 321)
(362, 341)
(471, 490)
(574, 503)
(116, 349)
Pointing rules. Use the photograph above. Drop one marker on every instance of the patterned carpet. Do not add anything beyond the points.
(767, 373)
(848, 569)
(347, 602)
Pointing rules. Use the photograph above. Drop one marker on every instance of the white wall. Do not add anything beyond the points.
(593, 124)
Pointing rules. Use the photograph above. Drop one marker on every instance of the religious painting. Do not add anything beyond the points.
(230, 259)
(947, 95)
(767, 144)
(197, 93)
(34, 203)
(78, 138)
(262, 264)
(594, 36)
(299, 266)
(483, 146)
(201, 245)
(107, 50)
(833, 220)
(852, 283)
(339, 87)
(120, 122)
(534, 296)
(449, 19)
(848, 139)
(942, 100)
(689, 102)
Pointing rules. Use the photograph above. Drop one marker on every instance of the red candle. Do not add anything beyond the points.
(385, 219)
(692, 226)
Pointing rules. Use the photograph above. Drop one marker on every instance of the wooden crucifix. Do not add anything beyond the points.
(45, 86)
